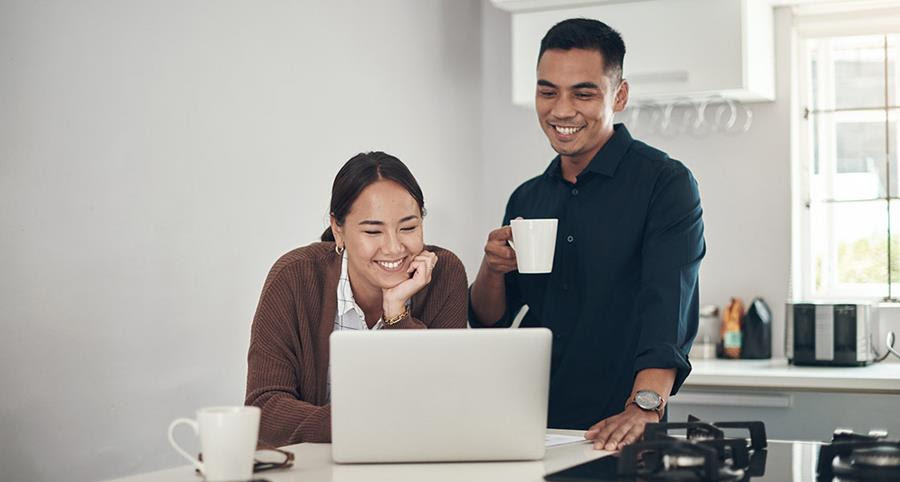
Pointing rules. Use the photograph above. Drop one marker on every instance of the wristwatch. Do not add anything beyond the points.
(650, 401)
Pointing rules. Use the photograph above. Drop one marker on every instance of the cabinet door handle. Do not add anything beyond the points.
(774, 400)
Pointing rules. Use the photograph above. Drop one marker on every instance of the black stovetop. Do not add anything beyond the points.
(739, 451)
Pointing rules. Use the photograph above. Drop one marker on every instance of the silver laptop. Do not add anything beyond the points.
(439, 395)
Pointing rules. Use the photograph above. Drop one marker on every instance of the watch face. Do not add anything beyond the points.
(647, 400)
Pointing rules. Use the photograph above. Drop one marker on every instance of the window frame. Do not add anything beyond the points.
(816, 23)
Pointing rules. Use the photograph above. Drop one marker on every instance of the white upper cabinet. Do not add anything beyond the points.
(674, 48)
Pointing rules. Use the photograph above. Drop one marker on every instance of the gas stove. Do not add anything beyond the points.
(855, 457)
(705, 453)
(740, 452)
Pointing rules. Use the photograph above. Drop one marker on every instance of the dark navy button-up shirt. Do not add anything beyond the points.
(623, 292)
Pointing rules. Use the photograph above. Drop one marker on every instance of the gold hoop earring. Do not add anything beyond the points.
(339, 250)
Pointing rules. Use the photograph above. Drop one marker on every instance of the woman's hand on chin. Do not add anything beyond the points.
(394, 299)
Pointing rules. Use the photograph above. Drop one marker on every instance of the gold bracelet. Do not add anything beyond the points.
(395, 319)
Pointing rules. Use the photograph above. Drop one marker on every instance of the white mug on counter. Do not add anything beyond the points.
(534, 241)
(227, 441)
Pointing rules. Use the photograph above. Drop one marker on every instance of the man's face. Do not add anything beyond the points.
(575, 101)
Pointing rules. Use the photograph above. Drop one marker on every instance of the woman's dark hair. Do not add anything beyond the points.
(358, 173)
(587, 34)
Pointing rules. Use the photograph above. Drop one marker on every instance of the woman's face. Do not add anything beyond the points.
(382, 234)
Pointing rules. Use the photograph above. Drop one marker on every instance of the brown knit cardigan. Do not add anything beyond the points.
(288, 356)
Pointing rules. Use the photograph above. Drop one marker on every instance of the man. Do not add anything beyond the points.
(622, 298)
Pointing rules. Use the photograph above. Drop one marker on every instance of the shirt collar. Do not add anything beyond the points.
(346, 302)
(607, 158)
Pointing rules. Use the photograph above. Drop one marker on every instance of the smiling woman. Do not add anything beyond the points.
(371, 271)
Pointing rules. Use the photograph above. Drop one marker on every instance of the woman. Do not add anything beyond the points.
(371, 271)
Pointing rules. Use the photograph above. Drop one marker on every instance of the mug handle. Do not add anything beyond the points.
(510, 241)
(193, 423)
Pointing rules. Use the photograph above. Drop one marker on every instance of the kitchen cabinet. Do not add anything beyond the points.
(676, 49)
(791, 414)
(805, 403)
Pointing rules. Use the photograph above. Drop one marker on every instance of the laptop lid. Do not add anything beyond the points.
(439, 395)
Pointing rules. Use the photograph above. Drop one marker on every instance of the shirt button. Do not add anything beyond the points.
(574, 191)
(570, 238)
(565, 286)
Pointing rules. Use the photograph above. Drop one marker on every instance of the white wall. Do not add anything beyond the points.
(744, 179)
(156, 158)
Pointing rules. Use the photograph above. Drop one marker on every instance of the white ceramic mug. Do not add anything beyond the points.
(534, 241)
(227, 440)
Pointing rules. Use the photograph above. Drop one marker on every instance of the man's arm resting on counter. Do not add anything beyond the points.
(628, 426)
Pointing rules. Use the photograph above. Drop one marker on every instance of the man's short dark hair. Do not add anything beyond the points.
(587, 34)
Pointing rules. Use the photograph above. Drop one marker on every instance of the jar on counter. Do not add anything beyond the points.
(704, 346)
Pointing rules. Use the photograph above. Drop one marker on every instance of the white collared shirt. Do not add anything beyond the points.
(349, 315)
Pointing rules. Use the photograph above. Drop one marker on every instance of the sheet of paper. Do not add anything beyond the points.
(553, 440)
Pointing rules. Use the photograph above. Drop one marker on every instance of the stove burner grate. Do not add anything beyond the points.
(857, 457)
(705, 454)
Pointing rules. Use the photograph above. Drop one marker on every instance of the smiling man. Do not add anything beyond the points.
(622, 298)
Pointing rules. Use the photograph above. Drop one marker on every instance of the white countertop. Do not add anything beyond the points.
(313, 463)
(880, 377)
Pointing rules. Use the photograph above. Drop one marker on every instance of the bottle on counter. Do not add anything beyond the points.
(731, 329)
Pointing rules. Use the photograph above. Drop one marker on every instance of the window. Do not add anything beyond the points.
(847, 233)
